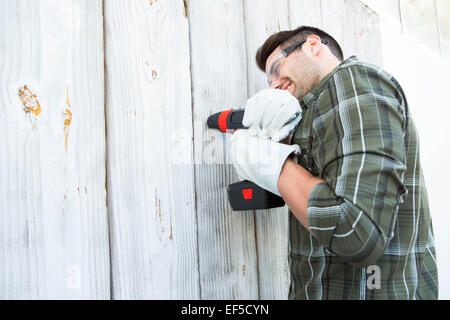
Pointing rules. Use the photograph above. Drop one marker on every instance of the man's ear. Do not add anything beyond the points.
(314, 42)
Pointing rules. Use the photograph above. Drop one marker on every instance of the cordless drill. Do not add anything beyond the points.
(243, 195)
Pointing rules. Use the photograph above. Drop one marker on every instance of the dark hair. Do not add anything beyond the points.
(292, 36)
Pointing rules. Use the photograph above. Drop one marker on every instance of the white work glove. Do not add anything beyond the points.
(273, 113)
(259, 160)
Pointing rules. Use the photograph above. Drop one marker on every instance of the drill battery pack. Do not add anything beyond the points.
(246, 195)
(243, 195)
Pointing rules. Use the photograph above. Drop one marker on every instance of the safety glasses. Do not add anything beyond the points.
(274, 69)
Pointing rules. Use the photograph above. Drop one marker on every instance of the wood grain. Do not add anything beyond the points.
(226, 239)
(355, 26)
(442, 11)
(150, 171)
(262, 19)
(54, 234)
(144, 215)
(305, 13)
(419, 21)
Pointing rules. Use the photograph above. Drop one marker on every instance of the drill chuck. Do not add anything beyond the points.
(226, 120)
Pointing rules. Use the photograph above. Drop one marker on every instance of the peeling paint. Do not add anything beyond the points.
(185, 9)
(29, 101)
(244, 269)
(68, 119)
(30, 104)
(149, 4)
(163, 222)
(151, 72)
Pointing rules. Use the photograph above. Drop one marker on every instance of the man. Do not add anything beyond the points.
(360, 226)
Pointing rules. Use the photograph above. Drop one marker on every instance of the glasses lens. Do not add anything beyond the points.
(273, 72)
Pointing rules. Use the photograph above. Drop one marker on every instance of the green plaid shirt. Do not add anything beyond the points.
(373, 236)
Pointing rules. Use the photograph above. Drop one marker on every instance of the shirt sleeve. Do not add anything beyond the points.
(360, 147)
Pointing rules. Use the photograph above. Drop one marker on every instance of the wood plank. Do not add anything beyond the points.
(355, 26)
(263, 18)
(150, 188)
(54, 242)
(305, 13)
(419, 21)
(385, 7)
(226, 239)
(442, 12)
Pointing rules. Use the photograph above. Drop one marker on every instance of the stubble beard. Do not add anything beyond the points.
(307, 78)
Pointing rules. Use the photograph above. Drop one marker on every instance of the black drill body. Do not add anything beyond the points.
(243, 195)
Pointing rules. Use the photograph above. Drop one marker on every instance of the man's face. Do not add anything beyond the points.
(298, 72)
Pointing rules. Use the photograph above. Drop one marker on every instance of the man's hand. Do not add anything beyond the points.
(259, 160)
(272, 113)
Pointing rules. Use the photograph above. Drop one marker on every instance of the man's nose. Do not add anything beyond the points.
(275, 84)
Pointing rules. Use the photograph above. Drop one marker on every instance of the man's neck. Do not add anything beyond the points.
(329, 66)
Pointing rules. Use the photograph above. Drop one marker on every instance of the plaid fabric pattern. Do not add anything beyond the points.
(372, 213)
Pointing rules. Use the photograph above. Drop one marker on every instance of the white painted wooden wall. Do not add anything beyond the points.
(424, 21)
(53, 215)
(110, 184)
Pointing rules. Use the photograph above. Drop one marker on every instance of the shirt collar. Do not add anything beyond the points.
(318, 88)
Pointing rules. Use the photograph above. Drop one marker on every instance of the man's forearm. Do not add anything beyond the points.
(295, 184)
